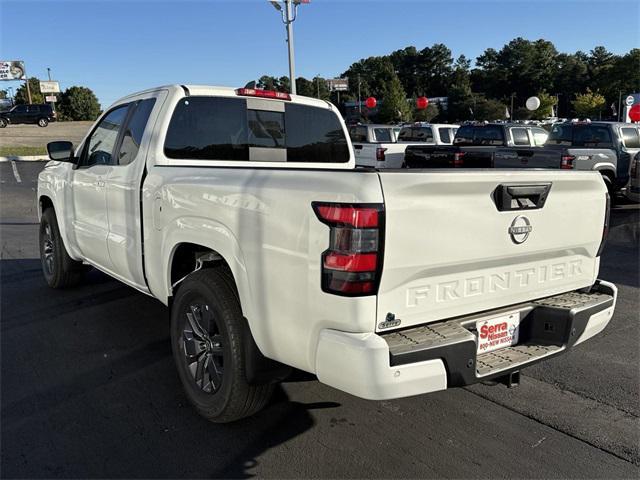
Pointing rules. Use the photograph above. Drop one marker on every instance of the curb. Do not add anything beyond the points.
(25, 158)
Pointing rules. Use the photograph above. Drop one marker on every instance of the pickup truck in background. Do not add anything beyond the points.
(243, 212)
(486, 145)
(391, 155)
(607, 147)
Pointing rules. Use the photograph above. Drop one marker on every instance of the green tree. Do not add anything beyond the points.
(589, 104)
(22, 96)
(394, 107)
(426, 114)
(460, 94)
(78, 103)
(547, 102)
(488, 108)
(3, 94)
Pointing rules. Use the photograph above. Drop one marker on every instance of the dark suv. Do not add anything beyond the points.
(38, 114)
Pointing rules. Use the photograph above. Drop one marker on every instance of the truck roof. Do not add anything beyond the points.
(214, 90)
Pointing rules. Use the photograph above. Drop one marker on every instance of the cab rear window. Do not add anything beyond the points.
(416, 134)
(479, 135)
(222, 128)
(581, 136)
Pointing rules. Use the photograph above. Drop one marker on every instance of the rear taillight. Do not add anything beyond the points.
(566, 162)
(352, 264)
(458, 159)
(256, 92)
(380, 154)
(605, 227)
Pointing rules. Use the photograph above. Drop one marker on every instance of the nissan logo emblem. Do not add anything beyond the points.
(520, 229)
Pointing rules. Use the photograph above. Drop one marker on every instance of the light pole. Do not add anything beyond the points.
(53, 106)
(289, 15)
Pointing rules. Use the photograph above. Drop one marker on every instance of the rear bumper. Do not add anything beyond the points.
(441, 355)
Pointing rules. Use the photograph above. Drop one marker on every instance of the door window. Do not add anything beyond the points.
(383, 135)
(540, 136)
(445, 137)
(99, 150)
(133, 131)
(630, 137)
(520, 136)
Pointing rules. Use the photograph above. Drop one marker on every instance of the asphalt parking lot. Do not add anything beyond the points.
(89, 389)
(34, 136)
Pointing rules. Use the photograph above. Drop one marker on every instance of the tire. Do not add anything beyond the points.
(609, 183)
(3, 122)
(58, 268)
(208, 348)
(43, 122)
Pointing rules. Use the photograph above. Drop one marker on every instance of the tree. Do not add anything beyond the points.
(22, 96)
(394, 107)
(79, 103)
(488, 108)
(3, 94)
(589, 104)
(426, 114)
(547, 102)
(460, 94)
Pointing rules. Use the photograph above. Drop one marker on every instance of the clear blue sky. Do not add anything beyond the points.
(116, 48)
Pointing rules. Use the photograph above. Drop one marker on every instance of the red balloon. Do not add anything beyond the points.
(371, 102)
(422, 103)
(634, 113)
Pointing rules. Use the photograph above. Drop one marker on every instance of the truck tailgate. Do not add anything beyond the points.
(449, 251)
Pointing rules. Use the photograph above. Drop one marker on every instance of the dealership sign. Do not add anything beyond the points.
(338, 84)
(50, 98)
(12, 70)
(49, 87)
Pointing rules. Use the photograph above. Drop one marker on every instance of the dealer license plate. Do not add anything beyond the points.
(498, 332)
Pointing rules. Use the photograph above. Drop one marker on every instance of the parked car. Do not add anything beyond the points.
(632, 192)
(372, 148)
(41, 115)
(606, 147)
(485, 145)
(243, 212)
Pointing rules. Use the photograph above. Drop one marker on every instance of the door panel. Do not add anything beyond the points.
(124, 238)
(91, 221)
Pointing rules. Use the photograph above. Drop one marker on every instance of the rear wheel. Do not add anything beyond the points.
(43, 122)
(59, 269)
(3, 122)
(609, 183)
(208, 348)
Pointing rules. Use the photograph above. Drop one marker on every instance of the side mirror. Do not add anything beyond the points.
(61, 151)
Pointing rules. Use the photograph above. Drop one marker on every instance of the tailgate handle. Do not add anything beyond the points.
(509, 197)
(358, 147)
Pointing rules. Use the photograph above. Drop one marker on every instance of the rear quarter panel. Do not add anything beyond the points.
(261, 221)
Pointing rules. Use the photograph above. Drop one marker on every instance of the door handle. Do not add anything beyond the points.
(508, 196)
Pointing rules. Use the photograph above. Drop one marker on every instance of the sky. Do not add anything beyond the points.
(116, 48)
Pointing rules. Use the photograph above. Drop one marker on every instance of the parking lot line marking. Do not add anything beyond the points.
(15, 172)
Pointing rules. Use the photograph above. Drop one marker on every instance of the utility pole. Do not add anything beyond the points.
(289, 15)
(512, 97)
(53, 105)
(28, 88)
(318, 84)
(619, 104)
(359, 102)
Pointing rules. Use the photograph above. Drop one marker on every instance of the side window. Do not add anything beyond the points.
(208, 128)
(20, 109)
(520, 136)
(358, 134)
(444, 135)
(133, 131)
(630, 137)
(540, 136)
(100, 147)
(382, 135)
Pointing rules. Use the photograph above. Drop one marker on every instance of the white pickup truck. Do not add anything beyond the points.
(243, 212)
(383, 146)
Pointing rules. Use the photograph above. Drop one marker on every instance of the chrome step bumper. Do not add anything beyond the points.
(548, 327)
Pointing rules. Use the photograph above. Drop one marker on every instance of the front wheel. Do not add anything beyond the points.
(59, 269)
(208, 348)
(43, 122)
(3, 122)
